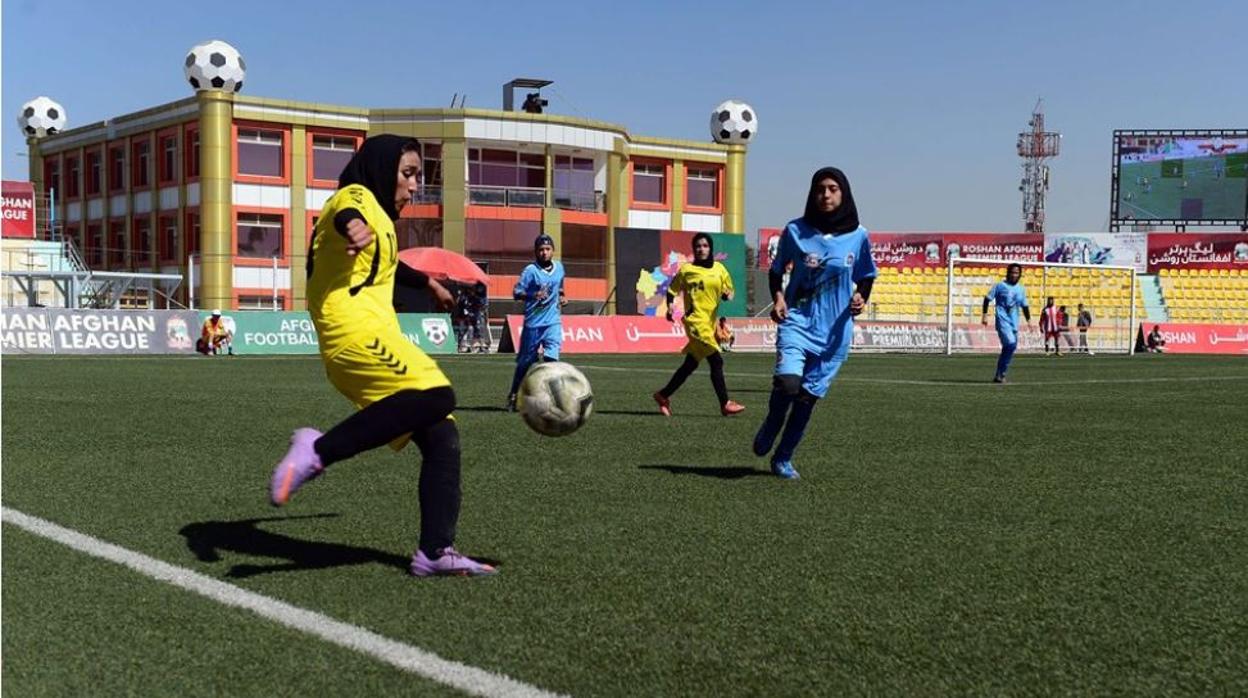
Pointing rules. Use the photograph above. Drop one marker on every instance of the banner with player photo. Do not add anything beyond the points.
(646, 260)
(1197, 251)
(1113, 249)
(768, 243)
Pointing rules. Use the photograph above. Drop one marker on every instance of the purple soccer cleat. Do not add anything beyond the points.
(450, 564)
(299, 465)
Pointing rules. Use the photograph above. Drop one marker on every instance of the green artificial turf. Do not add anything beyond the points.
(1083, 529)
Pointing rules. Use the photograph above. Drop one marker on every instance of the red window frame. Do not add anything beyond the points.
(666, 204)
(312, 181)
(284, 179)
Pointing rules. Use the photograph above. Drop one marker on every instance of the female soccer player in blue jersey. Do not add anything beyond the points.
(401, 393)
(1009, 296)
(541, 288)
(830, 253)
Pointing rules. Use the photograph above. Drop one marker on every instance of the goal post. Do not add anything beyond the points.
(1108, 293)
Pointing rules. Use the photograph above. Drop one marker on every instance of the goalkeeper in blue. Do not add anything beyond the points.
(541, 288)
(830, 283)
(1009, 296)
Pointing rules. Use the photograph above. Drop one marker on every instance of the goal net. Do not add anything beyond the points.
(1108, 294)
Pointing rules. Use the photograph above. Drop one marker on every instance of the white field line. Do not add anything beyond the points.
(411, 659)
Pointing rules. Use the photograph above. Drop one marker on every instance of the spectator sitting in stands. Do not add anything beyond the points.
(215, 336)
(1155, 341)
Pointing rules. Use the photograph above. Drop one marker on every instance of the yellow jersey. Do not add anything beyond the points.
(702, 289)
(351, 297)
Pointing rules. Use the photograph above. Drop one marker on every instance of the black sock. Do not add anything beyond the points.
(405, 412)
(678, 378)
(717, 378)
(440, 492)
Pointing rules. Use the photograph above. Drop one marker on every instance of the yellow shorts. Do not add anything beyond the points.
(373, 368)
(701, 342)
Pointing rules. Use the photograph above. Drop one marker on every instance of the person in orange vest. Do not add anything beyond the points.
(215, 336)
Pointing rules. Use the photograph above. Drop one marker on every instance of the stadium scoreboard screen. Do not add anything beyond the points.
(1188, 177)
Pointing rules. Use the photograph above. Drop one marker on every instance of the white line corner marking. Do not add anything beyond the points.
(406, 657)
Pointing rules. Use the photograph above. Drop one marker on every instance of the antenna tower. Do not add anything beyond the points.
(1035, 147)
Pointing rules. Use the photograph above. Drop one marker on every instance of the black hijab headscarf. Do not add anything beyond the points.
(845, 218)
(375, 166)
(710, 257)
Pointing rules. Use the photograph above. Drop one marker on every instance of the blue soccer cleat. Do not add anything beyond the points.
(784, 469)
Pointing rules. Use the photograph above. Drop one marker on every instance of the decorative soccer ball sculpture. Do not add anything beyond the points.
(40, 117)
(555, 399)
(734, 122)
(215, 65)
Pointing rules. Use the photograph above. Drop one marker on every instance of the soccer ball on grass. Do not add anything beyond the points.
(555, 399)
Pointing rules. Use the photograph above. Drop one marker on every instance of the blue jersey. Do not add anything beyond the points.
(544, 312)
(1008, 300)
(821, 284)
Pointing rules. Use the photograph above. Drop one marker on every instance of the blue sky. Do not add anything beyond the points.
(919, 102)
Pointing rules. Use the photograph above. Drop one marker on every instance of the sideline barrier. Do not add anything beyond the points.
(62, 331)
(1191, 338)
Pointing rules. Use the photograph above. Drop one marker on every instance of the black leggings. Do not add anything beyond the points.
(690, 365)
(425, 415)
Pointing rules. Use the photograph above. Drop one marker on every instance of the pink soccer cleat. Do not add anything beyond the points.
(298, 466)
(449, 564)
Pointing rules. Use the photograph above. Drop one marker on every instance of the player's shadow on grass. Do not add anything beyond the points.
(208, 539)
(719, 472)
(480, 408)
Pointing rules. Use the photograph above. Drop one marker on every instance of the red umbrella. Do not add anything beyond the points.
(444, 265)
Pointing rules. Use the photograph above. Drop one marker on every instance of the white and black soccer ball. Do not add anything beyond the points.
(734, 122)
(41, 117)
(555, 398)
(215, 65)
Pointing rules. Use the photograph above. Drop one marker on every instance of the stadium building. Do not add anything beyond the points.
(224, 189)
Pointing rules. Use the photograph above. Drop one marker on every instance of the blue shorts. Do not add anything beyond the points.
(1007, 335)
(816, 370)
(548, 337)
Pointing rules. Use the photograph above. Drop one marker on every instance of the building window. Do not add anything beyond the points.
(192, 154)
(95, 244)
(168, 158)
(73, 171)
(574, 182)
(506, 168)
(584, 251)
(260, 153)
(52, 177)
(330, 154)
(141, 241)
(261, 302)
(142, 163)
(117, 244)
(649, 183)
(116, 168)
(168, 239)
(192, 234)
(259, 235)
(505, 246)
(703, 187)
(94, 173)
(431, 163)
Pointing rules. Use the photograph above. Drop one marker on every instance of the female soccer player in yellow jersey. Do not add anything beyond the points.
(401, 393)
(703, 283)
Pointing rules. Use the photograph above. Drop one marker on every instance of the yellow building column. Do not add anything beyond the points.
(617, 215)
(734, 190)
(298, 217)
(454, 193)
(216, 283)
(678, 195)
(36, 180)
